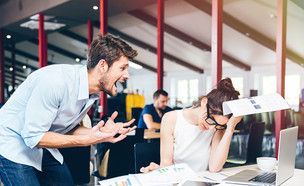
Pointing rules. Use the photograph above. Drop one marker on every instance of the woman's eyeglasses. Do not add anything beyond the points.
(211, 121)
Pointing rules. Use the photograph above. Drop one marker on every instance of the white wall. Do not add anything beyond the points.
(148, 81)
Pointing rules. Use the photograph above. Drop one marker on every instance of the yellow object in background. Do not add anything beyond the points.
(129, 103)
(134, 101)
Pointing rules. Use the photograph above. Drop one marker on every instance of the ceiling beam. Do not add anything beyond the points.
(244, 29)
(299, 3)
(79, 38)
(20, 63)
(58, 50)
(145, 66)
(154, 50)
(27, 55)
(186, 38)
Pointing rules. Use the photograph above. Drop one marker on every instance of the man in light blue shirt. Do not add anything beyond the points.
(45, 111)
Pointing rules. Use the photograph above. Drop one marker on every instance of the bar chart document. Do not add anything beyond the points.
(254, 105)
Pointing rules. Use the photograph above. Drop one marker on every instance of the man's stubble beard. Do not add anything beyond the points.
(102, 84)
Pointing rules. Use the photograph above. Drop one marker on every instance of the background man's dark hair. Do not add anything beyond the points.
(110, 49)
(159, 92)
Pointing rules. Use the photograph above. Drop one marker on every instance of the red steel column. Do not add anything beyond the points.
(2, 71)
(103, 31)
(41, 41)
(90, 33)
(13, 57)
(160, 44)
(281, 67)
(90, 37)
(217, 41)
(45, 56)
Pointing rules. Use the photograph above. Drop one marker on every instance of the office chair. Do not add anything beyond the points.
(145, 153)
(136, 111)
(254, 146)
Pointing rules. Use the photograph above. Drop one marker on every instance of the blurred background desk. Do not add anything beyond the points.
(151, 134)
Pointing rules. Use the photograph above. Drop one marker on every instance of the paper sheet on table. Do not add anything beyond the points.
(216, 177)
(167, 175)
(121, 180)
(132, 133)
(257, 104)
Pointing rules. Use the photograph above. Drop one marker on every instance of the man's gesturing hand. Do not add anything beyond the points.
(106, 132)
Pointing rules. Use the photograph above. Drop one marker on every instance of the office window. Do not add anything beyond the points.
(292, 88)
(269, 85)
(238, 83)
(187, 91)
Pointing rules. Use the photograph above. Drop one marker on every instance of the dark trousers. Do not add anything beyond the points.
(53, 173)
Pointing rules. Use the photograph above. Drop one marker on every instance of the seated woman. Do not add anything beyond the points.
(199, 136)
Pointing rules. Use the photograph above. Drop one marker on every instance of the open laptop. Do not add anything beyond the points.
(286, 164)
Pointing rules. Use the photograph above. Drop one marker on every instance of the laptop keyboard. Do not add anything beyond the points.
(265, 177)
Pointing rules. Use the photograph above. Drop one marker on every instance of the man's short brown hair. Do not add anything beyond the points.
(110, 49)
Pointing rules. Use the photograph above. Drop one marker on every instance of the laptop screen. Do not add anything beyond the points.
(287, 154)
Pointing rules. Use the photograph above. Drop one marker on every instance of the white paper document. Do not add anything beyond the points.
(163, 176)
(120, 181)
(167, 175)
(257, 104)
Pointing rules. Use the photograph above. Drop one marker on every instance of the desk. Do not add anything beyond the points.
(151, 134)
(296, 180)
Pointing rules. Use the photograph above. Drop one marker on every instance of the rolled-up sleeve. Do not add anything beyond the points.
(41, 110)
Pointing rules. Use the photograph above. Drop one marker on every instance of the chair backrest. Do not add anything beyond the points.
(255, 141)
(145, 153)
(86, 121)
(136, 111)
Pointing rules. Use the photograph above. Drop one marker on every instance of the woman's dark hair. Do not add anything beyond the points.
(110, 49)
(224, 92)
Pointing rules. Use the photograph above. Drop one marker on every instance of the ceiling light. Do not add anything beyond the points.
(24, 67)
(8, 36)
(272, 15)
(95, 7)
(45, 17)
(11, 69)
(134, 65)
(77, 59)
(32, 24)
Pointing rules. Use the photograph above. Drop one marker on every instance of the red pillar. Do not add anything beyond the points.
(2, 66)
(160, 44)
(90, 37)
(13, 57)
(90, 33)
(41, 42)
(217, 41)
(281, 67)
(45, 56)
(103, 10)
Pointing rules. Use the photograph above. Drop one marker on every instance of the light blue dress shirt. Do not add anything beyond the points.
(54, 98)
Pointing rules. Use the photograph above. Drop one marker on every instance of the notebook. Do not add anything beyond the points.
(286, 164)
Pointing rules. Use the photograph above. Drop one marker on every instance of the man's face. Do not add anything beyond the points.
(117, 72)
(161, 102)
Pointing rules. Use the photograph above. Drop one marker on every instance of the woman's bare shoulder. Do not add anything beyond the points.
(168, 121)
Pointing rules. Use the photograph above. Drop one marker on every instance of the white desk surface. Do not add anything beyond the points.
(296, 180)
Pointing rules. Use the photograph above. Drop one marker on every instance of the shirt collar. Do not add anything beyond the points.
(83, 83)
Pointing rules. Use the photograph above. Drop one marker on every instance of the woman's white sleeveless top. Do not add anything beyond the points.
(191, 145)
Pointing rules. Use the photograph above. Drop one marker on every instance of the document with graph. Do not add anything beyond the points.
(257, 104)
(167, 175)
